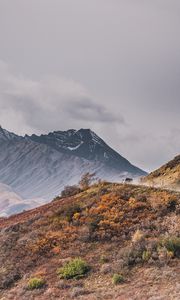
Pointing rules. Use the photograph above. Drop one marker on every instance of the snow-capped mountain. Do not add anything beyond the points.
(40, 166)
(86, 144)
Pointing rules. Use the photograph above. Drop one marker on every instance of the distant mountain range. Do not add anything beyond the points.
(10, 202)
(40, 166)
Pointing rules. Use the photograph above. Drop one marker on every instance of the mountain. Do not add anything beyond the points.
(110, 241)
(84, 143)
(40, 166)
(5, 135)
(12, 203)
(7, 197)
(37, 170)
(167, 176)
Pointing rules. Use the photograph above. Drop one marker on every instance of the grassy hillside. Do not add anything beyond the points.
(167, 176)
(111, 241)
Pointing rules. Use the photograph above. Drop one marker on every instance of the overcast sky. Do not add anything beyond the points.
(109, 65)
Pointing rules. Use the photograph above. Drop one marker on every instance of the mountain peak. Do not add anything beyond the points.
(89, 135)
(86, 144)
(68, 132)
(7, 135)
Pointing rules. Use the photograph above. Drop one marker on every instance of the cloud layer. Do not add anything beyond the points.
(49, 104)
(112, 65)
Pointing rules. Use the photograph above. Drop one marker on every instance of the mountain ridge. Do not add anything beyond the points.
(7, 135)
(87, 144)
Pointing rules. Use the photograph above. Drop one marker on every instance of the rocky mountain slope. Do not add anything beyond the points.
(110, 241)
(5, 135)
(84, 143)
(39, 167)
(168, 176)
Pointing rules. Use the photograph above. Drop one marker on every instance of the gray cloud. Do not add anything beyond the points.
(112, 60)
(86, 110)
(48, 104)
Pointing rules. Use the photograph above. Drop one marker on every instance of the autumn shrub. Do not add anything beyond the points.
(103, 191)
(56, 198)
(133, 254)
(36, 283)
(70, 190)
(67, 212)
(163, 201)
(75, 268)
(171, 224)
(117, 279)
(141, 198)
(70, 211)
(125, 195)
(41, 246)
(86, 180)
(172, 244)
(93, 224)
(138, 236)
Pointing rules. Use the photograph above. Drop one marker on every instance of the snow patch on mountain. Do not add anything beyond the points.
(75, 147)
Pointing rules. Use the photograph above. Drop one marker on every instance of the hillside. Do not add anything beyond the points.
(167, 176)
(130, 231)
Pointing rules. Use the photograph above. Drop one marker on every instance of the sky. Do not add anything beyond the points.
(109, 65)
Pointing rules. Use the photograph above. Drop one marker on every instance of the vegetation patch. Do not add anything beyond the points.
(70, 190)
(36, 283)
(76, 268)
(118, 279)
(103, 259)
(66, 214)
(146, 255)
(172, 244)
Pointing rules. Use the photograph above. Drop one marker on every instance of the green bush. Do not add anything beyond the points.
(36, 283)
(146, 255)
(172, 244)
(117, 279)
(103, 259)
(76, 268)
